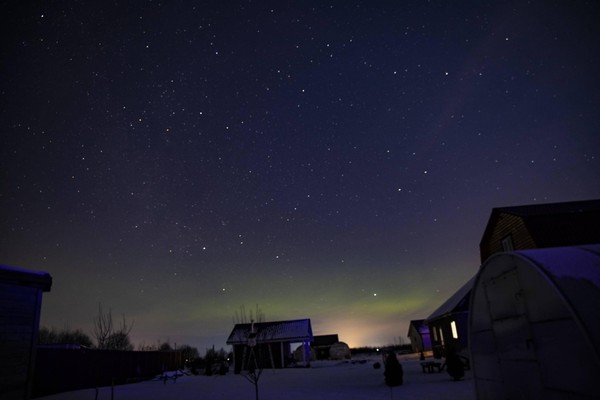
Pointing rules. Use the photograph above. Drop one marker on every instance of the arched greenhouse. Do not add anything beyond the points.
(534, 325)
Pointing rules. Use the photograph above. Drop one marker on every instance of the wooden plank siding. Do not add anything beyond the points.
(506, 225)
(541, 225)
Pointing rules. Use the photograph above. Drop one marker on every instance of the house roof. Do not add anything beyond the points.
(458, 302)
(23, 277)
(554, 224)
(417, 323)
(298, 330)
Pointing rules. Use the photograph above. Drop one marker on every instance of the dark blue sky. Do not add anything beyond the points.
(328, 160)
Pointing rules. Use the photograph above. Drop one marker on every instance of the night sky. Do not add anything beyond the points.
(331, 160)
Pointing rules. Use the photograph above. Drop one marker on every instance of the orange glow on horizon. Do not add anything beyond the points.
(360, 332)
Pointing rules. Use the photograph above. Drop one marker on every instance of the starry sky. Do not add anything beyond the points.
(334, 160)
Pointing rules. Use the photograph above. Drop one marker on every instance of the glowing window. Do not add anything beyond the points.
(454, 331)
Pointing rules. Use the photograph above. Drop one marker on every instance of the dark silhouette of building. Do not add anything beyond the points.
(321, 345)
(20, 305)
(418, 333)
(509, 229)
(269, 343)
(541, 225)
(448, 324)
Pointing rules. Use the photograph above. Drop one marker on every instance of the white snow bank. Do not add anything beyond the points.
(331, 380)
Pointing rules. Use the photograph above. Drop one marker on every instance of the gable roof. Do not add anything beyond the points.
(554, 224)
(458, 302)
(418, 324)
(298, 330)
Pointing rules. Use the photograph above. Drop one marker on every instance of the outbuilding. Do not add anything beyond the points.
(321, 344)
(20, 305)
(448, 324)
(418, 333)
(268, 344)
(534, 324)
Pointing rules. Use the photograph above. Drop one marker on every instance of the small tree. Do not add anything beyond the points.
(47, 335)
(254, 366)
(118, 341)
(76, 336)
(103, 327)
(189, 353)
(166, 346)
(243, 317)
(106, 335)
(65, 336)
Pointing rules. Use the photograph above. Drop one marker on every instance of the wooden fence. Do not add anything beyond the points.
(60, 370)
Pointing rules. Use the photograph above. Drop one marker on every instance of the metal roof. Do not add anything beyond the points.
(575, 272)
(23, 277)
(458, 302)
(298, 330)
(569, 207)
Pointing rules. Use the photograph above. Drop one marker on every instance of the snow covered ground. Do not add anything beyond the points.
(331, 380)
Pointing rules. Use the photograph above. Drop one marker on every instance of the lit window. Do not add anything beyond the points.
(454, 331)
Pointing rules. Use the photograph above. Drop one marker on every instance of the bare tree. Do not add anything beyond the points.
(103, 327)
(243, 317)
(107, 337)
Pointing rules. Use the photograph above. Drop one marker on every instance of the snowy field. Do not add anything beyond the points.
(330, 380)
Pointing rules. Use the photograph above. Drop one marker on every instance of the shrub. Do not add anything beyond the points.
(64, 336)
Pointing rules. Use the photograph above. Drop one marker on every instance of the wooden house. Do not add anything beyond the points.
(448, 324)
(418, 333)
(540, 226)
(509, 229)
(268, 344)
(20, 305)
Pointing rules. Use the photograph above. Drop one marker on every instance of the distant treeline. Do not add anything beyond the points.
(397, 348)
